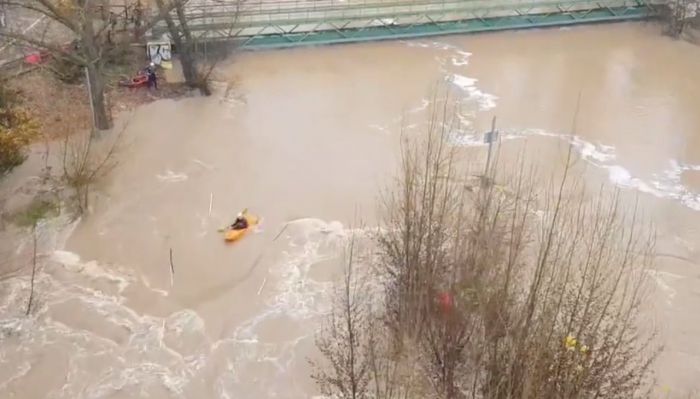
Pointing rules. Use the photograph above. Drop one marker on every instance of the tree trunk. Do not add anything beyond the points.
(138, 19)
(184, 47)
(189, 67)
(184, 42)
(95, 75)
(200, 80)
(96, 88)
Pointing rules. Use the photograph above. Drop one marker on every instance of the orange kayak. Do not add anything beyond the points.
(234, 235)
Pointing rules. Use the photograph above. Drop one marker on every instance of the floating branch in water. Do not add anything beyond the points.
(31, 289)
(172, 269)
(262, 285)
(281, 231)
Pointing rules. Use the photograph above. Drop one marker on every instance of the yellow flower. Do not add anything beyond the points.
(584, 348)
(570, 343)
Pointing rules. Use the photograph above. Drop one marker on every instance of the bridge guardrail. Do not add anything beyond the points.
(304, 19)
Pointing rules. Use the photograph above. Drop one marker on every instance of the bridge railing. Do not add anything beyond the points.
(217, 19)
(270, 8)
(301, 11)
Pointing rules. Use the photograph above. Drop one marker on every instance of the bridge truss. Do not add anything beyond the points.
(258, 24)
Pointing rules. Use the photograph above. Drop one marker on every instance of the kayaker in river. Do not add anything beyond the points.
(241, 223)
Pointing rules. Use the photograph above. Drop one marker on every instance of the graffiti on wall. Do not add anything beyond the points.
(158, 52)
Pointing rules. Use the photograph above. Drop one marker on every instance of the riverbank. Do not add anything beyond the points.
(63, 108)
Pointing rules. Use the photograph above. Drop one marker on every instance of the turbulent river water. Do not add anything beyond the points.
(307, 139)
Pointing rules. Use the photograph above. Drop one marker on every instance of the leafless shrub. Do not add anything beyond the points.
(677, 15)
(343, 342)
(85, 159)
(420, 214)
(559, 308)
(197, 64)
(356, 361)
(510, 289)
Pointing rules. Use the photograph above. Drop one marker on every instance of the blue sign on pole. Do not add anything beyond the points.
(490, 137)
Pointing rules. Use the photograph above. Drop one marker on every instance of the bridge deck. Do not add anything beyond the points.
(284, 23)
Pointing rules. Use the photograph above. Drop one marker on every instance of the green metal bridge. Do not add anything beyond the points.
(258, 24)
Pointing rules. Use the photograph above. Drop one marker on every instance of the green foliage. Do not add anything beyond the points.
(17, 130)
(37, 210)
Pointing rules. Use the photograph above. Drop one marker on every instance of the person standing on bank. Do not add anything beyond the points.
(152, 77)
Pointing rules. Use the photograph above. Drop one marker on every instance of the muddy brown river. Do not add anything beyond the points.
(307, 139)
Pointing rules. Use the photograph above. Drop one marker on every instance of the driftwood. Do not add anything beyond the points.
(172, 269)
(31, 286)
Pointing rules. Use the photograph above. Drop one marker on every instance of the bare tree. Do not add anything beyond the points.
(518, 288)
(357, 357)
(85, 159)
(677, 14)
(559, 308)
(343, 342)
(81, 19)
(80, 34)
(195, 68)
(419, 213)
(3, 14)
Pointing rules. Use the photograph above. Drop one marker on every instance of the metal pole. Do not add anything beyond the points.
(492, 135)
(92, 105)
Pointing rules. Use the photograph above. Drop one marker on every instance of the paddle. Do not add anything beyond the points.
(222, 229)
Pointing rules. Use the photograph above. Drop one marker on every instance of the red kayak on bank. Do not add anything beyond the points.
(137, 81)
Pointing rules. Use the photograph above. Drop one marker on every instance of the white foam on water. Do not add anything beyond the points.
(171, 177)
(146, 362)
(417, 44)
(666, 184)
(462, 82)
(143, 363)
(72, 262)
(397, 121)
(297, 297)
(664, 281)
(147, 283)
(432, 45)
(621, 176)
(21, 370)
(474, 98)
(424, 103)
(380, 128)
(461, 58)
(485, 101)
(594, 153)
(112, 348)
(203, 164)
(458, 58)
